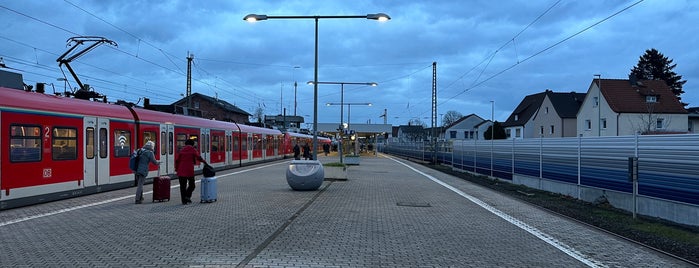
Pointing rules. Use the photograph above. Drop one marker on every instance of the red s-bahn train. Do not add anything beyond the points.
(54, 147)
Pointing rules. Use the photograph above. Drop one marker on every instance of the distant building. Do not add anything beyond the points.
(618, 107)
(693, 117)
(438, 132)
(547, 114)
(470, 127)
(409, 133)
(282, 122)
(205, 107)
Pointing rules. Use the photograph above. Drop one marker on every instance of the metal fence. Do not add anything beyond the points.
(668, 165)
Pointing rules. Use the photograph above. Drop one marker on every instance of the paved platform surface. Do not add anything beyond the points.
(389, 213)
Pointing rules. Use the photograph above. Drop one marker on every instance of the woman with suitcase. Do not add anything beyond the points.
(145, 158)
(184, 166)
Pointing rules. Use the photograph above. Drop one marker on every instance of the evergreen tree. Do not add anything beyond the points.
(653, 65)
(499, 132)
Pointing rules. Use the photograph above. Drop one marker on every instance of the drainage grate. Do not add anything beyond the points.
(413, 204)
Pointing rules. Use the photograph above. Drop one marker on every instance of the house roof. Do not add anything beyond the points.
(623, 97)
(525, 110)
(216, 101)
(462, 119)
(484, 122)
(566, 104)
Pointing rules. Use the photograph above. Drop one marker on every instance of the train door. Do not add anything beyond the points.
(205, 144)
(229, 148)
(167, 145)
(96, 161)
(250, 147)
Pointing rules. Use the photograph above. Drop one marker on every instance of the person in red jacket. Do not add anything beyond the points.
(184, 166)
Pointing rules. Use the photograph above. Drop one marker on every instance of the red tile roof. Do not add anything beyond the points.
(625, 98)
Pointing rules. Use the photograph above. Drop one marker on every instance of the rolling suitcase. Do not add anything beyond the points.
(208, 189)
(161, 188)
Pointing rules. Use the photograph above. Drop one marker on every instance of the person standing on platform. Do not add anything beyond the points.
(307, 152)
(297, 152)
(184, 166)
(144, 160)
(326, 148)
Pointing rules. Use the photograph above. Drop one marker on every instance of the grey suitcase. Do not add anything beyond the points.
(208, 190)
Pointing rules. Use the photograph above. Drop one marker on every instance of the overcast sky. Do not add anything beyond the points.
(485, 51)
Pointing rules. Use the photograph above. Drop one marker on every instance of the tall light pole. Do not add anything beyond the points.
(295, 85)
(492, 133)
(342, 101)
(377, 16)
(349, 104)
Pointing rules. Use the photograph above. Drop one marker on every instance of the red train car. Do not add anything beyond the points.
(54, 147)
(293, 138)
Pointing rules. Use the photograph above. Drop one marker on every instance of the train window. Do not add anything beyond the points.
(25, 143)
(228, 143)
(236, 144)
(163, 147)
(181, 138)
(150, 136)
(203, 146)
(65, 141)
(215, 143)
(103, 143)
(205, 143)
(195, 138)
(90, 148)
(122, 143)
(169, 142)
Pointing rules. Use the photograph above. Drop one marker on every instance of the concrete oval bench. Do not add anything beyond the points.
(305, 175)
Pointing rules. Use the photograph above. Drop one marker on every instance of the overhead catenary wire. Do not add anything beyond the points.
(544, 50)
(134, 55)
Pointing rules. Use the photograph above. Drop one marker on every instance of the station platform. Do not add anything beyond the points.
(388, 213)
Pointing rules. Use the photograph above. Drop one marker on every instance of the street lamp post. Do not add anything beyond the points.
(349, 110)
(377, 16)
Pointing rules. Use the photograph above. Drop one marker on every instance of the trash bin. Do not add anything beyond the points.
(305, 175)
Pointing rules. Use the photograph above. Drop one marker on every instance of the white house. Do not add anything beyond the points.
(617, 107)
(547, 114)
(470, 127)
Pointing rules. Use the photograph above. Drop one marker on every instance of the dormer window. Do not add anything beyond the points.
(651, 99)
(516, 117)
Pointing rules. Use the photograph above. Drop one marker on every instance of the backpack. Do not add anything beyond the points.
(133, 160)
(208, 171)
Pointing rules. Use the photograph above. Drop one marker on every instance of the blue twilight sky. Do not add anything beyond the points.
(485, 51)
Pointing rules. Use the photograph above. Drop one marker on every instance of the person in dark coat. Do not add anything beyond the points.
(326, 148)
(146, 158)
(297, 152)
(307, 152)
(184, 166)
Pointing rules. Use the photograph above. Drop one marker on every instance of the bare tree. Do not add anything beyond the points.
(259, 114)
(451, 117)
(650, 120)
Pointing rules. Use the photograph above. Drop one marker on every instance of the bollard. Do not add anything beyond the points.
(305, 175)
